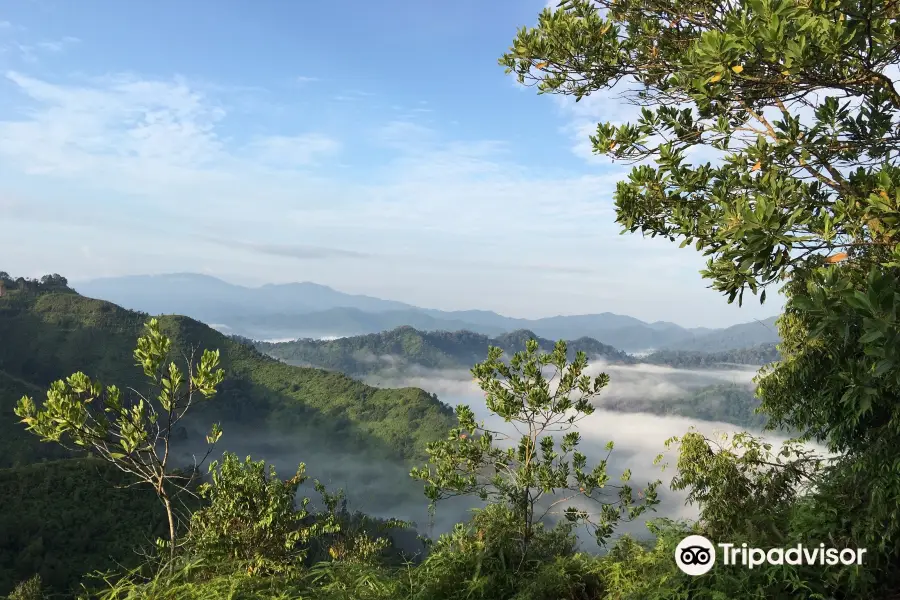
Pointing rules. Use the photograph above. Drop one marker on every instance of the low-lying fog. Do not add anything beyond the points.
(386, 490)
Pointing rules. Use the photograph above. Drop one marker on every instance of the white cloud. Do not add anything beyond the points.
(405, 135)
(299, 150)
(58, 45)
(453, 222)
(638, 437)
(30, 52)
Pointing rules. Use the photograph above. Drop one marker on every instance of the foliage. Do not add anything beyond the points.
(759, 355)
(739, 479)
(18, 447)
(522, 475)
(250, 516)
(52, 335)
(798, 101)
(47, 283)
(338, 535)
(743, 74)
(404, 347)
(31, 589)
(250, 519)
(132, 434)
(65, 519)
(725, 402)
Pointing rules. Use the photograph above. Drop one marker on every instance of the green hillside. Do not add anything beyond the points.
(726, 402)
(47, 336)
(48, 528)
(759, 355)
(66, 519)
(406, 346)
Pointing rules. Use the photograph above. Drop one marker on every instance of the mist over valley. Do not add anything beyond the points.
(652, 395)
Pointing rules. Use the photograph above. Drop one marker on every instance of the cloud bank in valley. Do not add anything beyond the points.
(638, 437)
(386, 490)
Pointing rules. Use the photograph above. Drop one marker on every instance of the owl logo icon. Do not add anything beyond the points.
(695, 555)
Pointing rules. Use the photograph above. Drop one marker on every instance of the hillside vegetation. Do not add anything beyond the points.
(50, 332)
(760, 355)
(725, 402)
(405, 346)
(50, 335)
(66, 519)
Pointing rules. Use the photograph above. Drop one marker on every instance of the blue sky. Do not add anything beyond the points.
(374, 147)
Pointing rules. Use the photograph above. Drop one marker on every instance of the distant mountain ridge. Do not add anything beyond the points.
(405, 347)
(310, 310)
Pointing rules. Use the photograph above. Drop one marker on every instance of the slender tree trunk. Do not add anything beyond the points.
(526, 538)
(171, 518)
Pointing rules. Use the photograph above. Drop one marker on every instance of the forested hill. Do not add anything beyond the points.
(47, 335)
(406, 346)
(762, 354)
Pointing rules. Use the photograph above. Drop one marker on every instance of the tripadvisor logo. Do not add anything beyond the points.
(696, 555)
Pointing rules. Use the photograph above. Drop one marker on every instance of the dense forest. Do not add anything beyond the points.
(50, 332)
(405, 346)
(50, 335)
(800, 99)
(760, 355)
(725, 402)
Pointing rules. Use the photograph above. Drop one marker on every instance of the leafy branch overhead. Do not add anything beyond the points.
(797, 102)
(793, 97)
(542, 470)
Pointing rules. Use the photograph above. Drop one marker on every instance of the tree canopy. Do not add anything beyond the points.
(788, 112)
(766, 136)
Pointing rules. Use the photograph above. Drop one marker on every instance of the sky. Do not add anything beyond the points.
(377, 148)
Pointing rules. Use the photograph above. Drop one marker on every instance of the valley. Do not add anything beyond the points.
(358, 410)
(545, 300)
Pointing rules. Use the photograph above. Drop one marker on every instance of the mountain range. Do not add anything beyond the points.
(310, 310)
(48, 336)
(263, 403)
(406, 347)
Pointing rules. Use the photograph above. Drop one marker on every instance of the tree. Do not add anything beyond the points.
(54, 281)
(537, 468)
(797, 101)
(133, 434)
(31, 589)
(250, 515)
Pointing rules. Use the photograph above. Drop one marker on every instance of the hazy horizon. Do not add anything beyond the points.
(119, 155)
(75, 283)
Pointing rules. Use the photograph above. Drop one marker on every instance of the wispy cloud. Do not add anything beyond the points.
(163, 161)
(31, 52)
(298, 251)
(305, 79)
(58, 45)
(299, 150)
(352, 95)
